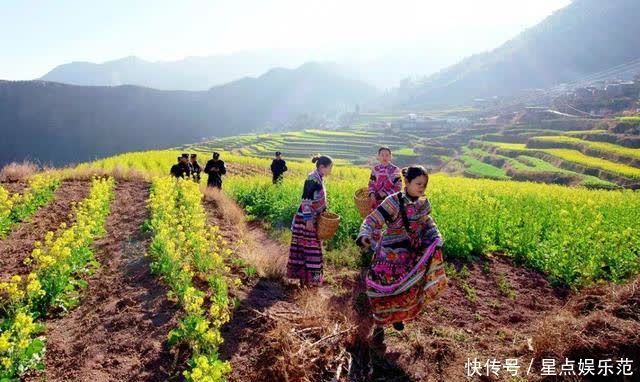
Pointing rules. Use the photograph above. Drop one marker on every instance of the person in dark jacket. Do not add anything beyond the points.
(195, 168)
(215, 169)
(278, 168)
(184, 166)
(175, 169)
(181, 169)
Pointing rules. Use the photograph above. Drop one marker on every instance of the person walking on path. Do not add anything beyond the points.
(182, 168)
(195, 168)
(278, 168)
(407, 268)
(306, 251)
(215, 169)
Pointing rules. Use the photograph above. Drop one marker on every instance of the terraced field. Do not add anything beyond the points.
(476, 168)
(356, 143)
(524, 168)
(562, 151)
(351, 146)
(571, 160)
(606, 150)
(559, 151)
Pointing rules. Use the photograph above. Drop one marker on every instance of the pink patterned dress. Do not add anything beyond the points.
(407, 268)
(386, 179)
(305, 253)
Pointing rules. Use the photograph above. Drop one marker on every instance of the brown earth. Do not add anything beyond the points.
(244, 169)
(14, 187)
(119, 330)
(489, 311)
(600, 323)
(19, 243)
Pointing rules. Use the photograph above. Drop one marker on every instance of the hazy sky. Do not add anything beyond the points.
(36, 35)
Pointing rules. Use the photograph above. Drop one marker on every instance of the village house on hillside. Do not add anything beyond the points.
(602, 97)
(602, 90)
(423, 122)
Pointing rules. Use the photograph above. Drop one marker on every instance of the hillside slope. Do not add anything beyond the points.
(585, 37)
(58, 123)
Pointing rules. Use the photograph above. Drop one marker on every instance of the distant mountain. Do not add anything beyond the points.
(59, 123)
(382, 67)
(191, 73)
(585, 37)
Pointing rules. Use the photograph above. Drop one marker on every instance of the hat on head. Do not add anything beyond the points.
(216, 154)
(278, 153)
(194, 155)
(185, 155)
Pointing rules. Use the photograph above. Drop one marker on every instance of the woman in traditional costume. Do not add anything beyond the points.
(306, 251)
(385, 180)
(406, 270)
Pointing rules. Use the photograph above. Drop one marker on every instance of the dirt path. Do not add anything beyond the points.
(19, 243)
(246, 336)
(118, 331)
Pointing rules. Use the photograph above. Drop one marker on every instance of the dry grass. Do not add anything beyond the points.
(15, 172)
(599, 323)
(308, 343)
(228, 210)
(119, 173)
(251, 243)
(267, 258)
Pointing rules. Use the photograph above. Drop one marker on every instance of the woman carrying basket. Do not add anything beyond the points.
(407, 268)
(305, 254)
(385, 180)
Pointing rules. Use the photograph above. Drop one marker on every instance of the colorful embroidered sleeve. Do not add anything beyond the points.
(386, 212)
(429, 232)
(372, 183)
(308, 196)
(397, 179)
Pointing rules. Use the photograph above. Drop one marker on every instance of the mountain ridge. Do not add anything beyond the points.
(585, 37)
(61, 123)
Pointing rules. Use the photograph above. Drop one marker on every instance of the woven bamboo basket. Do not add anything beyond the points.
(361, 198)
(328, 223)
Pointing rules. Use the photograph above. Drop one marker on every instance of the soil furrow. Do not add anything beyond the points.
(14, 187)
(118, 332)
(19, 243)
(245, 336)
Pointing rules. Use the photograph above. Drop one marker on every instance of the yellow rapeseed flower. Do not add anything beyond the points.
(5, 344)
(6, 362)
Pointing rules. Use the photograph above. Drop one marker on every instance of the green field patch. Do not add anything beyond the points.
(634, 118)
(523, 163)
(477, 168)
(589, 161)
(583, 145)
(583, 132)
(577, 157)
(405, 151)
